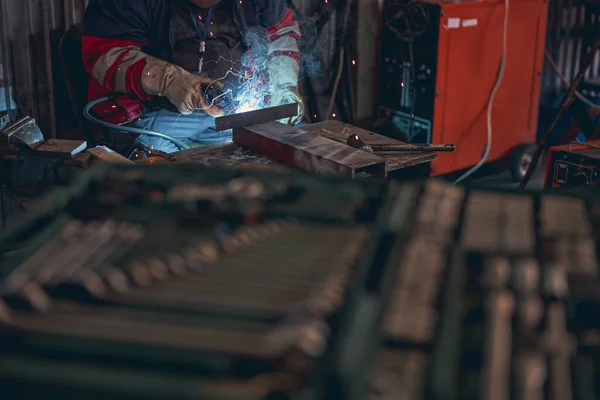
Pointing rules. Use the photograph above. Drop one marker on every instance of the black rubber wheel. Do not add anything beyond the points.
(520, 159)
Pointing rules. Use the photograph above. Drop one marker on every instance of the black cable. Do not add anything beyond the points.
(341, 45)
(413, 100)
(87, 114)
(589, 57)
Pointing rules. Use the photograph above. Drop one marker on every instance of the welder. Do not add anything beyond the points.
(159, 58)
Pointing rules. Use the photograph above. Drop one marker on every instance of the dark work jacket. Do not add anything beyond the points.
(151, 26)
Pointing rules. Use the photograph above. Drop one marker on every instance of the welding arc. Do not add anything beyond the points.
(587, 61)
(87, 114)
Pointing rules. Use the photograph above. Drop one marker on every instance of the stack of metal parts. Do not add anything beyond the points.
(497, 297)
(145, 284)
(202, 284)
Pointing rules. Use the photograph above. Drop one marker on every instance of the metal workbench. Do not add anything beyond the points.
(230, 155)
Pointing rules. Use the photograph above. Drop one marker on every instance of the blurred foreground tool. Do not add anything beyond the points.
(177, 282)
(356, 142)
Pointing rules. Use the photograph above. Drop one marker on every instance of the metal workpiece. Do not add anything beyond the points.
(248, 118)
(306, 151)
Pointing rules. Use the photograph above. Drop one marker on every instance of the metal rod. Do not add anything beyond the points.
(249, 118)
(412, 147)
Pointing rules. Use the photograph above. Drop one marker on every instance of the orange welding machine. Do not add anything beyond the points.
(448, 66)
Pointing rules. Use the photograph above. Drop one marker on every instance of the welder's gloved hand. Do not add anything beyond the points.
(283, 81)
(184, 90)
(287, 96)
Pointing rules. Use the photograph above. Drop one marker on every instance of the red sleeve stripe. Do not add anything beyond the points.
(93, 48)
(122, 75)
(286, 22)
(109, 77)
(133, 80)
(291, 34)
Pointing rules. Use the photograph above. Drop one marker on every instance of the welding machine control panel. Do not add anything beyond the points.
(568, 169)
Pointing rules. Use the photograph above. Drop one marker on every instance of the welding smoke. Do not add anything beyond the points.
(251, 91)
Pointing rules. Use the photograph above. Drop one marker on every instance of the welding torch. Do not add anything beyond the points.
(356, 142)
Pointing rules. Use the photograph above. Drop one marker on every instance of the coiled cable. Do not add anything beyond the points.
(87, 114)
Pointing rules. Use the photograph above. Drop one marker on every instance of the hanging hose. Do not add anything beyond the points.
(128, 129)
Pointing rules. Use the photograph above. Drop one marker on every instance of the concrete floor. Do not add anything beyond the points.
(492, 177)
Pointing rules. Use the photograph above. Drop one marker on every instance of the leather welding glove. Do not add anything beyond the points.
(184, 90)
(283, 80)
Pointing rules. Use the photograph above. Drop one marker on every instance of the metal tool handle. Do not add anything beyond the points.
(412, 147)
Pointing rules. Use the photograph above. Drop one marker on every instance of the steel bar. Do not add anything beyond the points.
(307, 151)
(417, 148)
(256, 117)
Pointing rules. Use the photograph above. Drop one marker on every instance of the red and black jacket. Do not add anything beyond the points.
(113, 28)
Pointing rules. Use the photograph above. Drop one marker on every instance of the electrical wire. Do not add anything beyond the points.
(128, 129)
(341, 67)
(336, 85)
(565, 82)
(490, 105)
(413, 88)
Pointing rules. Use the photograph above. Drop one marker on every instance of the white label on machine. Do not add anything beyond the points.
(467, 23)
(453, 23)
